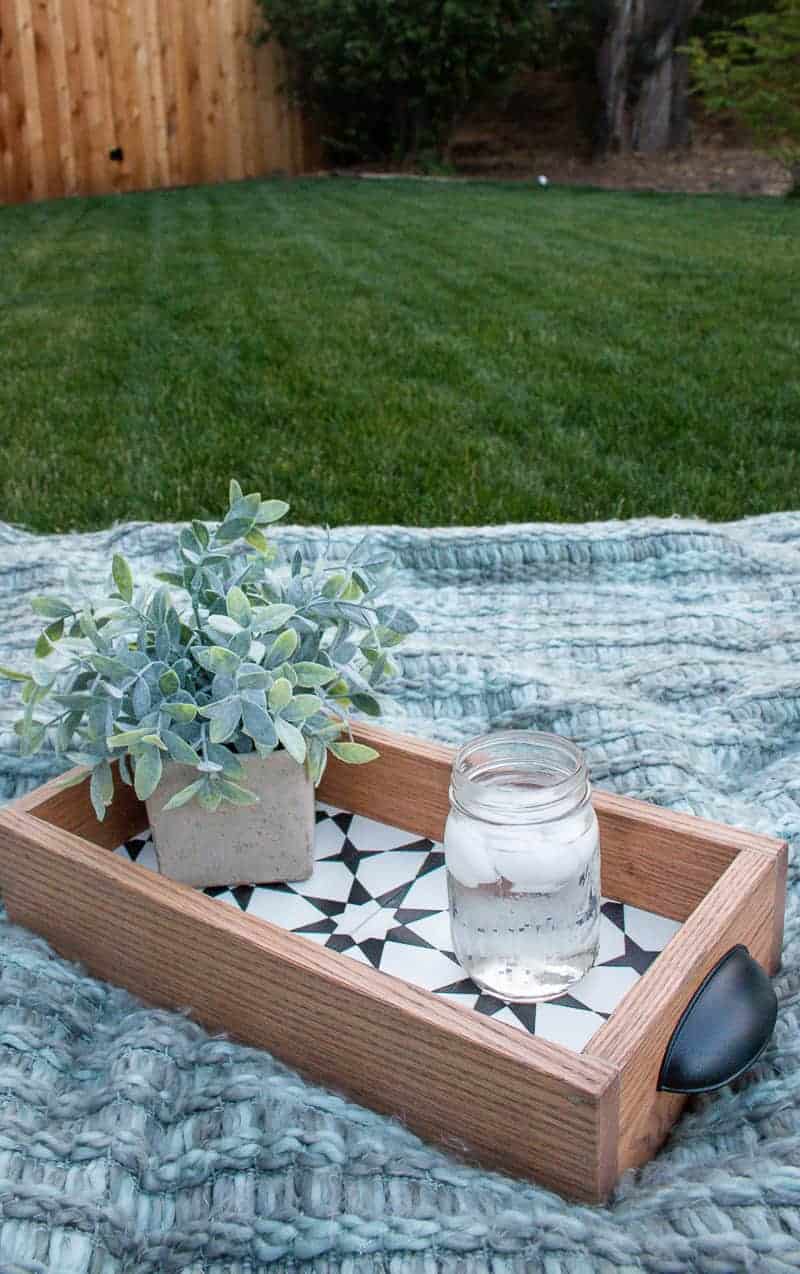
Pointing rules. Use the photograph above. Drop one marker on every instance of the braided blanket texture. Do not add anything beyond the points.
(132, 1141)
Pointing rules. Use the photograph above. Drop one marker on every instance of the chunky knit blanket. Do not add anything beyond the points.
(132, 1141)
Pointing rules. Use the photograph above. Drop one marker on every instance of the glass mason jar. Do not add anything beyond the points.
(522, 852)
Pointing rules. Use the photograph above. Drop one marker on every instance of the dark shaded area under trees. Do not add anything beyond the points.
(391, 79)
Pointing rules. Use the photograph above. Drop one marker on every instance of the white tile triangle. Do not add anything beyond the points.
(285, 909)
(365, 834)
(571, 1027)
(428, 892)
(648, 931)
(385, 872)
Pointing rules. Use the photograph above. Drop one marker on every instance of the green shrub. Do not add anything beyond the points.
(752, 71)
(390, 77)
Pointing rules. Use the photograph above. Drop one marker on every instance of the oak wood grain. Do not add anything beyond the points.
(514, 1102)
(739, 908)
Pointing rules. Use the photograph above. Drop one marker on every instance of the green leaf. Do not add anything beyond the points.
(354, 753)
(127, 737)
(245, 508)
(269, 618)
(147, 774)
(300, 708)
(209, 797)
(216, 658)
(179, 749)
(234, 492)
(271, 511)
(54, 632)
(280, 694)
(313, 675)
(123, 577)
(201, 533)
(292, 740)
(397, 620)
(335, 584)
(11, 674)
(366, 703)
(43, 647)
(258, 724)
(154, 741)
(141, 699)
(51, 607)
(101, 788)
(282, 648)
(232, 767)
(107, 666)
(72, 780)
(238, 607)
(233, 530)
(184, 795)
(179, 711)
(251, 677)
(258, 541)
(316, 760)
(169, 682)
(223, 624)
(235, 794)
(224, 716)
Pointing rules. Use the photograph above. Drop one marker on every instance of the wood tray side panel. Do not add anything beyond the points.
(652, 858)
(518, 1104)
(739, 908)
(71, 808)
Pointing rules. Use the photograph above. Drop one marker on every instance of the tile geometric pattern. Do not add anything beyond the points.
(379, 895)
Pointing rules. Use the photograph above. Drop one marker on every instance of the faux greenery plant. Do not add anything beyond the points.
(246, 654)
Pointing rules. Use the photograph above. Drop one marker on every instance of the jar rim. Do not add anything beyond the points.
(488, 769)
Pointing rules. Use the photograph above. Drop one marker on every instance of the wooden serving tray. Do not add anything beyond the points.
(572, 1120)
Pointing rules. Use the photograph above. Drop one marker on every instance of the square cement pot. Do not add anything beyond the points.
(238, 844)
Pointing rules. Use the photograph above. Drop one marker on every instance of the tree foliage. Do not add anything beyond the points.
(390, 77)
(752, 71)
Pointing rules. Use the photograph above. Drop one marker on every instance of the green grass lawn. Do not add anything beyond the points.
(399, 352)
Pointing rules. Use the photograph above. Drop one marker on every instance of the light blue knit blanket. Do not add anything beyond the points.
(131, 1141)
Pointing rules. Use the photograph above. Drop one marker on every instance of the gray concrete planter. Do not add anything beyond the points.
(238, 844)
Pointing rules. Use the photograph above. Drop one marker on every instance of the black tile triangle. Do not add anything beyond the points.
(489, 1003)
(465, 987)
(358, 894)
(373, 950)
(615, 912)
(340, 942)
(635, 957)
(526, 1014)
(407, 936)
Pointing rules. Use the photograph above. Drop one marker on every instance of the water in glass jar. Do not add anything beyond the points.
(524, 902)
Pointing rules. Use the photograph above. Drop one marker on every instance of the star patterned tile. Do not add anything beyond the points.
(379, 895)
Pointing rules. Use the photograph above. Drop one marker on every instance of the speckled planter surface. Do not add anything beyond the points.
(238, 844)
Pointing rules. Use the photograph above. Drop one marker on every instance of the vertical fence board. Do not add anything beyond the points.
(178, 85)
(31, 119)
(47, 79)
(61, 81)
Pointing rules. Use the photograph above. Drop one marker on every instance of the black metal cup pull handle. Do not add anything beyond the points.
(724, 1028)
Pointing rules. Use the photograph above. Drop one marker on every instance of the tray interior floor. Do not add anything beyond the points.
(379, 895)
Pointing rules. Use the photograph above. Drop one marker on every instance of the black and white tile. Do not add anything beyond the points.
(380, 896)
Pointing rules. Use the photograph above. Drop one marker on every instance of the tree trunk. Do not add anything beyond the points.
(643, 80)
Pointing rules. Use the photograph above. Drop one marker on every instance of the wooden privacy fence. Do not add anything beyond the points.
(113, 95)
